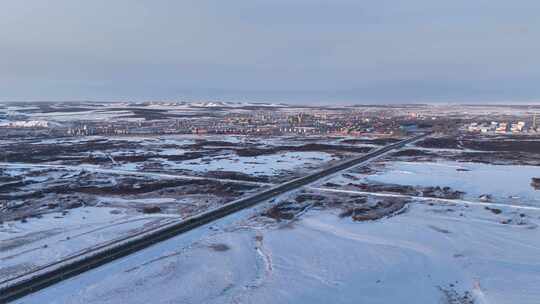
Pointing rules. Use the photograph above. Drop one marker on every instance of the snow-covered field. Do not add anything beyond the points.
(55, 236)
(37, 229)
(481, 246)
(267, 165)
(503, 183)
(261, 158)
(430, 254)
(438, 251)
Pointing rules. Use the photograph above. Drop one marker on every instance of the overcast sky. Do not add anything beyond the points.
(298, 51)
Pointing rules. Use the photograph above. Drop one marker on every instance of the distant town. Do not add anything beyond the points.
(153, 118)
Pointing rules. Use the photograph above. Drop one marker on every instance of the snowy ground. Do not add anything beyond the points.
(267, 165)
(438, 251)
(430, 254)
(55, 236)
(255, 158)
(61, 213)
(503, 183)
(446, 250)
(500, 182)
(42, 218)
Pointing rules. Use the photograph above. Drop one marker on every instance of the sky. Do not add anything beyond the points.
(296, 51)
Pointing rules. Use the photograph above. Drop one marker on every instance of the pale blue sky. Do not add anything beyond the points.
(305, 51)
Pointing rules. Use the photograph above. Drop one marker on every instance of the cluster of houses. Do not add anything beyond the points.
(503, 127)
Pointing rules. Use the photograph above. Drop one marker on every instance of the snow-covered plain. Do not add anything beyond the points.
(438, 251)
(55, 236)
(268, 165)
(503, 183)
(191, 154)
(430, 254)
(435, 252)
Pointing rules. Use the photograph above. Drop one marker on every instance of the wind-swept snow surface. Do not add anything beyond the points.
(37, 242)
(433, 253)
(503, 183)
(261, 165)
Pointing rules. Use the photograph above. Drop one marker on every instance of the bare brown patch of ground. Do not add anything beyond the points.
(20, 200)
(236, 176)
(220, 247)
(496, 157)
(383, 208)
(357, 207)
(452, 296)
(435, 192)
(535, 183)
(412, 152)
(483, 143)
(283, 211)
